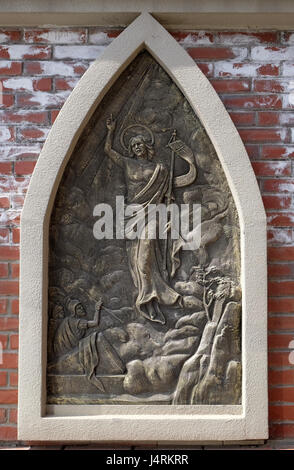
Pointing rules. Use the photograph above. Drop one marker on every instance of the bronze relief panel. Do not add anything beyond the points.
(142, 315)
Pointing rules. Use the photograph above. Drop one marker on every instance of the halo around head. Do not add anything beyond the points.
(139, 126)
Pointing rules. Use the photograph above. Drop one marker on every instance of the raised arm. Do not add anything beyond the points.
(96, 318)
(115, 156)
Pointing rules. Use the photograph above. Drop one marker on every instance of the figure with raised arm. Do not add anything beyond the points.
(147, 183)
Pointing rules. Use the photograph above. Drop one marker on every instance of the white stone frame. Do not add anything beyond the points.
(141, 423)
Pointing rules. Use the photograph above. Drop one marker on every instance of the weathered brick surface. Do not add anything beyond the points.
(253, 74)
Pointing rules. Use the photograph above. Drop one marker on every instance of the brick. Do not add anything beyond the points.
(283, 288)
(13, 379)
(43, 84)
(8, 324)
(270, 86)
(280, 219)
(54, 114)
(10, 68)
(10, 361)
(14, 307)
(7, 134)
(4, 202)
(7, 100)
(3, 306)
(217, 53)
(12, 415)
(252, 150)
(272, 168)
(280, 394)
(65, 83)
(244, 69)
(281, 413)
(243, 119)
(268, 119)
(253, 101)
(10, 35)
(245, 37)
(230, 86)
(8, 433)
(3, 341)
(281, 253)
(20, 52)
(276, 202)
(280, 341)
(24, 167)
(286, 119)
(272, 54)
(288, 101)
(184, 38)
(287, 37)
(13, 341)
(206, 68)
(27, 84)
(54, 68)
(98, 36)
(5, 168)
(15, 270)
(281, 322)
(3, 269)
(12, 217)
(18, 201)
(16, 152)
(3, 378)
(278, 185)
(268, 69)
(281, 270)
(8, 288)
(4, 236)
(280, 236)
(3, 417)
(16, 235)
(14, 184)
(42, 99)
(87, 52)
(281, 430)
(279, 359)
(9, 253)
(38, 134)
(55, 36)
(263, 135)
(287, 69)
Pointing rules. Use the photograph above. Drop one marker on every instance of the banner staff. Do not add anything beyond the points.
(168, 200)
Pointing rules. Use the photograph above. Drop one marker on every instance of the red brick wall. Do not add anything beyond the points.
(254, 76)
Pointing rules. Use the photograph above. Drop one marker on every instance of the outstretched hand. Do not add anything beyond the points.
(110, 123)
(99, 305)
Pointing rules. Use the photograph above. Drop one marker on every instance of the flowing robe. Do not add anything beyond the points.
(147, 184)
(68, 335)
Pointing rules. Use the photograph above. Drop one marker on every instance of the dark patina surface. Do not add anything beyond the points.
(144, 321)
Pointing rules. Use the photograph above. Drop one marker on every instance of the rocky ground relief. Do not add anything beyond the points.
(139, 321)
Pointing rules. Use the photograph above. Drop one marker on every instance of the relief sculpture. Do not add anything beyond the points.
(148, 183)
(142, 315)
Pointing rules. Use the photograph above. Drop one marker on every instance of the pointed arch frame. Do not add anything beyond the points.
(137, 423)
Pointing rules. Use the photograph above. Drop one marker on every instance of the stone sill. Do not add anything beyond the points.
(245, 445)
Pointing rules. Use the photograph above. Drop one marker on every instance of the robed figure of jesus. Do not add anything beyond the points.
(147, 183)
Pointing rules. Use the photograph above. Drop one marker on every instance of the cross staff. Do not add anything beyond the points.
(168, 199)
